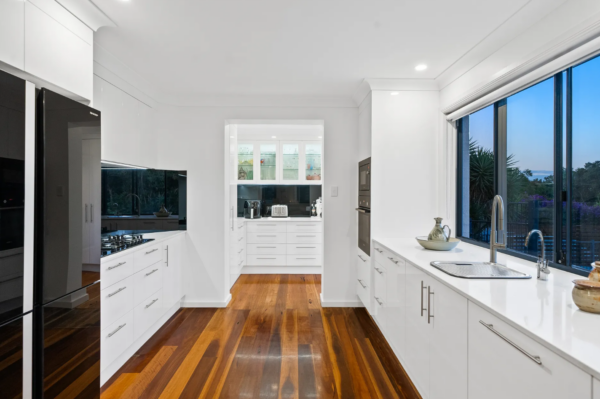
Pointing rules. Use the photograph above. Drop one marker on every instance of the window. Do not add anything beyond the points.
(121, 189)
(538, 150)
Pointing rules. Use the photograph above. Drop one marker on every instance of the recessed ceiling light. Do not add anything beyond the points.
(394, 93)
(273, 137)
(421, 67)
(320, 137)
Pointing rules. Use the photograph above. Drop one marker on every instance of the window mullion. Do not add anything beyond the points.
(558, 166)
(569, 164)
(500, 156)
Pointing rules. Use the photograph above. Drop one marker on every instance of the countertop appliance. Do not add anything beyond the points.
(252, 209)
(66, 316)
(112, 244)
(279, 211)
(364, 206)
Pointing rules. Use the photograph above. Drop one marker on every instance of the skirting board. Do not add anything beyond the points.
(281, 270)
(206, 304)
(110, 370)
(340, 304)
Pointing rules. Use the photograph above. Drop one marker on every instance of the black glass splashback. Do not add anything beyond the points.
(298, 198)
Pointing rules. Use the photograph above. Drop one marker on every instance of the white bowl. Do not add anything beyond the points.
(438, 245)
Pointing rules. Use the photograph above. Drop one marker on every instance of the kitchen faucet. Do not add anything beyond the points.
(139, 202)
(494, 245)
(542, 263)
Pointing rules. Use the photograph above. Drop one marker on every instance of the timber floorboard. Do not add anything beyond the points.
(274, 340)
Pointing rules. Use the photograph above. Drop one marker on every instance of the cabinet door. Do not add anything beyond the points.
(172, 278)
(12, 33)
(448, 343)
(290, 171)
(313, 154)
(498, 370)
(417, 329)
(245, 163)
(147, 139)
(268, 161)
(395, 310)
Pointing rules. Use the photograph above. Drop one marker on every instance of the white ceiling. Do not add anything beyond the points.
(319, 48)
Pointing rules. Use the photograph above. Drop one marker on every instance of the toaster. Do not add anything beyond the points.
(279, 211)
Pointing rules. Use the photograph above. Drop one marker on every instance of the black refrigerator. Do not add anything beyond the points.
(66, 311)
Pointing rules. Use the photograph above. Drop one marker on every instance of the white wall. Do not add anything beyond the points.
(405, 166)
(191, 138)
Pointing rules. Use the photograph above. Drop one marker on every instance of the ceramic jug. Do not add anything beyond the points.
(438, 233)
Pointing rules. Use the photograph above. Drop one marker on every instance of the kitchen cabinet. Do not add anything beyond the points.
(91, 195)
(279, 162)
(501, 364)
(596, 388)
(12, 33)
(173, 257)
(379, 295)
(57, 53)
(363, 274)
(396, 296)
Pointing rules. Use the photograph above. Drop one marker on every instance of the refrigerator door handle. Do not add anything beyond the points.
(86, 217)
(92, 213)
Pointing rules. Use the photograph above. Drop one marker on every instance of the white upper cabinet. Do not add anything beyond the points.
(12, 33)
(279, 162)
(57, 54)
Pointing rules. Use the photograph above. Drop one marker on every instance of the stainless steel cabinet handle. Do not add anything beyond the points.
(154, 250)
(240, 239)
(240, 263)
(266, 258)
(378, 270)
(152, 272)
(117, 330)
(265, 235)
(115, 266)
(429, 294)
(378, 301)
(86, 217)
(266, 247)
(240, 251)
(361, 258)
(307, 258)
(422, 288)
(392, 259)
(379, 250)
(361, 283)
(306, 247)
(306, 236)
(490, 327)
(167, 249)
(240, 226)
(361, 210)
(231, 217)
(116, 292)
(305, 225)
(151, 303)
(263, 224)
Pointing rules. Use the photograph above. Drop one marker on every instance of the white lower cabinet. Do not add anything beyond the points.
(379, 295)
(596, 388)
(147, 313)
(501, 364)
(363, 277)
(395, 310)
(116, 301)
(116, 338)
(173, 274)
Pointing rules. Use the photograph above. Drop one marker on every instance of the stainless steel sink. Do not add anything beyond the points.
(478, 270)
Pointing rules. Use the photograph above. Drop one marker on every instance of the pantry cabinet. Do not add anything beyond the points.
(279, 162)
(12, 27)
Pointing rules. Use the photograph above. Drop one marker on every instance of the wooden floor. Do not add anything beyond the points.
(273, 341)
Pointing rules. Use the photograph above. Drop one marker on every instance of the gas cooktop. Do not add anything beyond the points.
(112, 244)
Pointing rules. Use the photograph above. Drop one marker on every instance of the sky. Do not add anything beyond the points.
(531, 125)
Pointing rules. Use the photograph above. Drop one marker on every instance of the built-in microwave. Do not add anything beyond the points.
(364, 176)
(364, 206)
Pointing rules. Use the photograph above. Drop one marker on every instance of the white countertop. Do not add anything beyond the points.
(543, 310)
(270, 219)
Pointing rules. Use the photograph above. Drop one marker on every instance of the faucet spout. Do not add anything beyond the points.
(542, 264)
(498, 204)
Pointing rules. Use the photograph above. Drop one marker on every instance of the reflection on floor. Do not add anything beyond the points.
(273, 341)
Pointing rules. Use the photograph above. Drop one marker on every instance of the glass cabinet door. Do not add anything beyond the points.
(245, 162)
(291, 161)
(268, 161)
(313, 154)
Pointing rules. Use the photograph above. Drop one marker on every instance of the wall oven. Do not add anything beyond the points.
(364, 206)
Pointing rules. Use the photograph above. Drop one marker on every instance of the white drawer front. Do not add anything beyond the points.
(304, 227)
(147, 282)
(241, 255)
(304, 238)
(266, 227)
(304, 249)
(362, 290)
(241, 240)
(266, 260)
(113, 271)
(241, 231)
(116, 300)
(266, 249)
(146, 256)
(147, 313)
(386, 258)
(266, 238)
(304, 260)
(115, 339)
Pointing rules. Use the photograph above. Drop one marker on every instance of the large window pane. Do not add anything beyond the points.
(585, 245)
(151, 190)
(530, 167)
(479, 174)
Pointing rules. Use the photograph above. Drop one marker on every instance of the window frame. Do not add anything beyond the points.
(500, 153)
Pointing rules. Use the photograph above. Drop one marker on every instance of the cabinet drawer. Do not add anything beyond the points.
(304, 249)
(241, 231)
(146, 256)
(266, 260)
(362, 290)
(115, 339)
(241, 240)
(303, 260)
(147, 313)
(490, 356)
(146, 282)
(266, 238)
(304, 227)
(265, 227)
(304, 238)
(241, 254)
(113, 271)
(266, 249)
(387, 258)
(116, 301)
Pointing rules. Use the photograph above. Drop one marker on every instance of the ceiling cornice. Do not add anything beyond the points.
(379, 84)
(88, 13)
